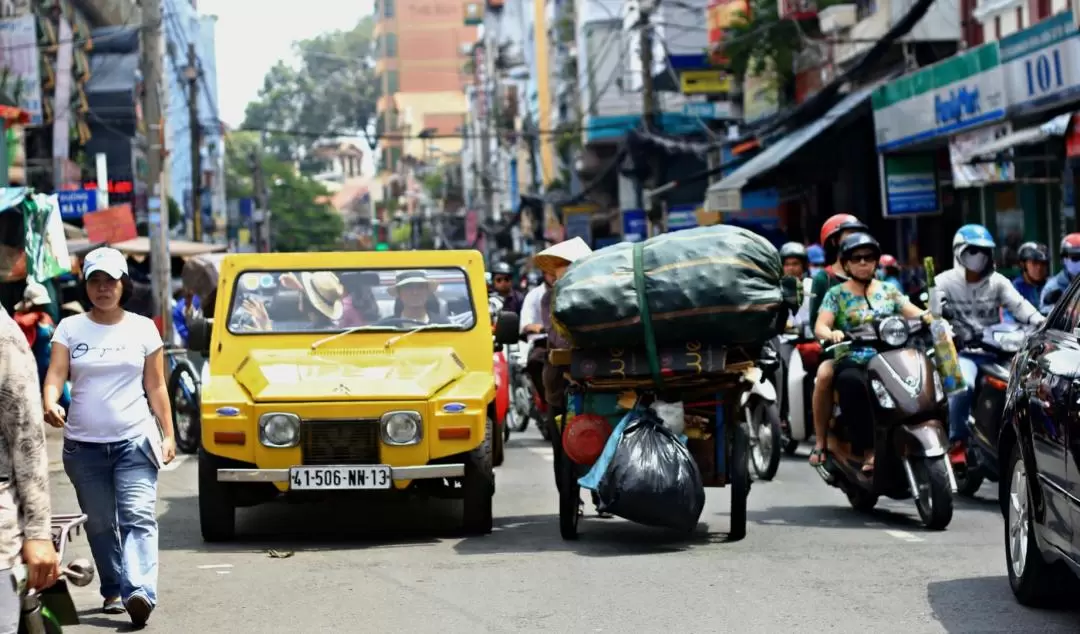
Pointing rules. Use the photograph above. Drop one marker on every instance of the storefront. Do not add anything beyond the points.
(983, 133)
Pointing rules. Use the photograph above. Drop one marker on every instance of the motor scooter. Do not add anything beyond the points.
(909, 428)
(762, 412)
(999, 343)
(799, 356)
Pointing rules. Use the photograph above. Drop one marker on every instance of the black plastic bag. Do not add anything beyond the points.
(653, 479)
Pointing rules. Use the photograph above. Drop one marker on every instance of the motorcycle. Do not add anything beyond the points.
(46, 612)
(797, 381)
(521, 396)
(999, 343)
(763, 415)
(910, 437)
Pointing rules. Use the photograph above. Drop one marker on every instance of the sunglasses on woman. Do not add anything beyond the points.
(864, 258)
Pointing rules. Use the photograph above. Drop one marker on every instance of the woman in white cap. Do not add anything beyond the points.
(113, 447)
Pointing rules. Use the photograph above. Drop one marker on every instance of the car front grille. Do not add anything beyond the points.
(340, 442)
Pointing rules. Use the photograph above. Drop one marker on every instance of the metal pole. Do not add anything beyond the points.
(648, 108)
(160, 261)
(259, 214)
(196, 144)
(484, 169)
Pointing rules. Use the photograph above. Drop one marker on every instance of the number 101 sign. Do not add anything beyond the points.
(1046, 77)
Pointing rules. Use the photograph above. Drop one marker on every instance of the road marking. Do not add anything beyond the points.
(544, 452)
(177, 461)
(904, 536)
(223, 572)
(213, 566)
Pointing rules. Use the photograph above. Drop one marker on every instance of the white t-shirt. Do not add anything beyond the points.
(108, 402)
(530, 309)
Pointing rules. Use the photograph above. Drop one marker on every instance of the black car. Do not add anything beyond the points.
(1039, 449)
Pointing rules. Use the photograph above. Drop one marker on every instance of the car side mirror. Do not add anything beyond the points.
(506, 328)
(199, 329)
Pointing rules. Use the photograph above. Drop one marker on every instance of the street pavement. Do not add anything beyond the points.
(808, 563)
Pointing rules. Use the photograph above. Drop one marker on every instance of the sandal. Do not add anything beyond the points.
(818, 457)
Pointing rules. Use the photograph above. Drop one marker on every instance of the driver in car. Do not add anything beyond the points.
(858, 301)
(415, 299)
(974, 295)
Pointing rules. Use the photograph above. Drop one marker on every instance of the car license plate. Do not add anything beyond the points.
(340, 477)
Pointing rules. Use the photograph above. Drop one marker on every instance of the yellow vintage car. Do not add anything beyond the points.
(347, 374)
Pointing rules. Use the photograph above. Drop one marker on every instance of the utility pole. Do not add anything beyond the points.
(262, 244)
(484, 169)
(192, 74)
(157, 195)
(648, 108)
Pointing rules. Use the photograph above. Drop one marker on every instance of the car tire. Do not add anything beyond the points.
(1034, 581)
(498, 441)
(217, 510)
(478, 485)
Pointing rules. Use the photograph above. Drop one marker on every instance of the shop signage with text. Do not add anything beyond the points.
(909, 185)
(1042, 64)
(960, 93)
(112, 225)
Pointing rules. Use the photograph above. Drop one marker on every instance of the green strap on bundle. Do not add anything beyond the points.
(646, 320)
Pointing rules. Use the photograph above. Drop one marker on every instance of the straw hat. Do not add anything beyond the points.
(325, 292)
(410, 278)
(562, 254)
(34, 295)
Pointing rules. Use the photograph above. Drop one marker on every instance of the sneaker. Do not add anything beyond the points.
(139, 609)
(113, 605)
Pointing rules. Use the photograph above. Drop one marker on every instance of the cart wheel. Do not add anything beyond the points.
(569, 496)
(739, 481)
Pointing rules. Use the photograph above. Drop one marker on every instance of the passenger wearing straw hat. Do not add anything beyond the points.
(415, 299)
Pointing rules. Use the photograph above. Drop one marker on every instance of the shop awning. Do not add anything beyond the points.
(177, 248)
(726, 196)
(1057, 126)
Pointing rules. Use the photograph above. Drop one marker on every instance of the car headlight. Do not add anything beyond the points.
(893, 331)
(402, 428)
(277, 429)
(1010, 341)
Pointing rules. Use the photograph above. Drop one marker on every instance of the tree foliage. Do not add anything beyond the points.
(762, 39)
(332, 91)
(301, 220)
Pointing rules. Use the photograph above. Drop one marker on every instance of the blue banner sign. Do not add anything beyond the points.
(634, 226)
(74, 204)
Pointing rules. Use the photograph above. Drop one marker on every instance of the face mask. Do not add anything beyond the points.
(1072, 267)
(974, 262)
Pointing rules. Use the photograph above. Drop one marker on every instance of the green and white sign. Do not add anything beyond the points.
(1042, 64)
(960, 93)
(909, 185)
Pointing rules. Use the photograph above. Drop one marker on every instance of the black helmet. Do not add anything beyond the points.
(1033, 252)
(502, 268)
(794, 250)
(857, 241)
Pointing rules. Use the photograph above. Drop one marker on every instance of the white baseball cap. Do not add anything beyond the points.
(107, 260)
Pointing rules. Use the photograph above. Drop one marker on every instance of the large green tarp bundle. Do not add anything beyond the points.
(717, 284)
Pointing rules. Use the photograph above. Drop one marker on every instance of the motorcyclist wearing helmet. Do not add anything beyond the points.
(1034, 269)
(502, 283)
(859, 300)
(975, 294)
(1057, 285)
(794, 260)
(835, 229)
(889, 271)
(816, 255)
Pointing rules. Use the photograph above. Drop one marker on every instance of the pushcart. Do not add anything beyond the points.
(713, 383)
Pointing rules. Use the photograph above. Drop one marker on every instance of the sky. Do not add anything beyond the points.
(252, 35)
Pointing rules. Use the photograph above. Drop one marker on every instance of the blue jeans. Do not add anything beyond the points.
(960, 404)
(116, 484)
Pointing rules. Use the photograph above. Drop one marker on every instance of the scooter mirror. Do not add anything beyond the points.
(80, 572)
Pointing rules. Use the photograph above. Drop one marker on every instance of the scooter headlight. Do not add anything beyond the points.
(1010, 341)
(883, 398)
(893, 331)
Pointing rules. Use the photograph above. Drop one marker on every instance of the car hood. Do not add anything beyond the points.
(348, 374)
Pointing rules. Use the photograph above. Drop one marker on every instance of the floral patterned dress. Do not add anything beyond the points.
(851, 310)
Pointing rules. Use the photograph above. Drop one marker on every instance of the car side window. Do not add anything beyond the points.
(1066, 314)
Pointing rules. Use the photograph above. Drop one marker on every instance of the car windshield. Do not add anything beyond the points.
(333, 300)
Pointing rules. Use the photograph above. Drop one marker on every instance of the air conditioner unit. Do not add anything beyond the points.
(837, 18)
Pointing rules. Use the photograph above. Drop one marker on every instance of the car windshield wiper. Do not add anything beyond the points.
(396, 338)
(345, 333)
